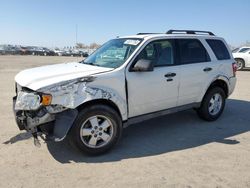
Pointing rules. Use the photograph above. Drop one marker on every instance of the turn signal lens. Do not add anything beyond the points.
(46, 99)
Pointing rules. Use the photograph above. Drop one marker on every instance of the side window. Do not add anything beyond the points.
(161, 52)
(219, 49)
(192, 51)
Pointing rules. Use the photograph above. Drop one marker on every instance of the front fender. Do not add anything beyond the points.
(98, 92)
(76, 94)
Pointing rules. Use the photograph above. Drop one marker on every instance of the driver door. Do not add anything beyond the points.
(156, 90)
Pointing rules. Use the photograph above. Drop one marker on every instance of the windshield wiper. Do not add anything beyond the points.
(90, 63)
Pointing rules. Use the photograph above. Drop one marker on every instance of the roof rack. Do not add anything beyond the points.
(189, 32)
(147, 33)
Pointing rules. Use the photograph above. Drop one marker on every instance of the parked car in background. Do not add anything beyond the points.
(75, 53)
(27, 50)
(42, 51)
(10, 50)
(58, 52)
(242, 59)
(1, 50)
(84, 54)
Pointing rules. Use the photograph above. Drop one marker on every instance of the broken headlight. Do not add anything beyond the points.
(27, 101)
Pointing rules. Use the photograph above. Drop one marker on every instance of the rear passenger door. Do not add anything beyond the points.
(195, 70)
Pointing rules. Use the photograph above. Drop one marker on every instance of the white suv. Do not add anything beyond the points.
(127, 80)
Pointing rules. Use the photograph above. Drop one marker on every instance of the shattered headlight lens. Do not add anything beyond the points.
(27, 101)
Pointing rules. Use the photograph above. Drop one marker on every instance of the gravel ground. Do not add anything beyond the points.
(178, 150)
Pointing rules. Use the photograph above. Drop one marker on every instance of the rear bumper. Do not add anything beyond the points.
(232, 83)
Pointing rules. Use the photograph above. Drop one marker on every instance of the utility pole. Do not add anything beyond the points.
(76, 34)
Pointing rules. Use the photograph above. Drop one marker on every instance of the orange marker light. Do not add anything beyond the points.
(46, 99)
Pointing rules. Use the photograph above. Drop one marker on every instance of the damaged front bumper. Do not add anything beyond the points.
(43, 121)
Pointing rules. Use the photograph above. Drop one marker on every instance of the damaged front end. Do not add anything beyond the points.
(41, 122)
(50, 111)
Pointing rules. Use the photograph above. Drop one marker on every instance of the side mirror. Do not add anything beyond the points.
(143, 65)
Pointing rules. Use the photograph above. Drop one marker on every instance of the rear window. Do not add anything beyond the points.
(219, 49)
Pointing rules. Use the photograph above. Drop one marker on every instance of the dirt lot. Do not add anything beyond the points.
(178, 150)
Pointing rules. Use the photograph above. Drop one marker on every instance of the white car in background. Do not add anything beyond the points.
(242, 58)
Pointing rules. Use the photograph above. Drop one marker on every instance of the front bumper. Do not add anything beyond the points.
(40, 121)
(31, 119)
(19, 118)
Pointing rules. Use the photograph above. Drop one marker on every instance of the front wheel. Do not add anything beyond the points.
(96, 129)
(212, 104)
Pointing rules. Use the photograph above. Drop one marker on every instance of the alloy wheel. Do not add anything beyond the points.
(96, 131)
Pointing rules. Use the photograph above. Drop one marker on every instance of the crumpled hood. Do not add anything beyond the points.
(39, 77)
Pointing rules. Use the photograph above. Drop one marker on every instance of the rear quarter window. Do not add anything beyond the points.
(219, 49)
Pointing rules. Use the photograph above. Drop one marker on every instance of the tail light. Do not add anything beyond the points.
(234, 67)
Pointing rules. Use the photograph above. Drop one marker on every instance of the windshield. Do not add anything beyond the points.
(235, 50)
(113, 53)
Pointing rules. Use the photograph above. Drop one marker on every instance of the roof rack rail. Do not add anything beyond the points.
(189, 32)
(147, 33)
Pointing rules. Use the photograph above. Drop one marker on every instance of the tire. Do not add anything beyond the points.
(90, 136)
(240, 64)
(208, 110)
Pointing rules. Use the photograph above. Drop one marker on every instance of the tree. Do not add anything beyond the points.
(81, 45)
(94, 45)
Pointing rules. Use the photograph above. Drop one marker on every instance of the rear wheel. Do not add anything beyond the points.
(96, 129)
(212, 104)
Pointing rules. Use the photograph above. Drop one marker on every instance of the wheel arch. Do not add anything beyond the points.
(240, 58)
(221, 82)
(100, 101)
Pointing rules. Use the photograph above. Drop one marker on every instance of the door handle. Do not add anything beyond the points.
(171, 74)
(169, 79)
(207, 69)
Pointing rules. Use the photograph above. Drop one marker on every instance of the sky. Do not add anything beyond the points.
(53, 23)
